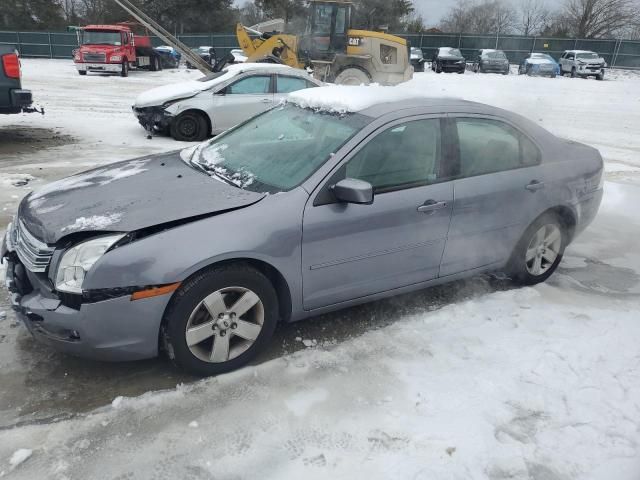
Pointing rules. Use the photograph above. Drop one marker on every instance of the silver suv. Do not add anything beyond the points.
(582, 63)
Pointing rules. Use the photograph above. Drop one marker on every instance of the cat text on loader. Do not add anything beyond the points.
(334, 51)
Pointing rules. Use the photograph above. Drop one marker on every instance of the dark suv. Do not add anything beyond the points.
(448, 59)
(491, 61)
(13, 99)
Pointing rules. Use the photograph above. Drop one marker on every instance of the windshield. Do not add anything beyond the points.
(278, 150)
(495, 55)
(587, 56)
(102, 37)
(454, 52)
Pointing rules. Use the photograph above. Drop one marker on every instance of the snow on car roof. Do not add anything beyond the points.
(174, 91)
(351, 99)
(580, 51)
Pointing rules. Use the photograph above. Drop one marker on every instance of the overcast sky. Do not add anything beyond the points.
(433, 10)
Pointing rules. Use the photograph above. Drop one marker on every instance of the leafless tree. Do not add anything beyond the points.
(600, 18)
(534, 15)
(487, 16)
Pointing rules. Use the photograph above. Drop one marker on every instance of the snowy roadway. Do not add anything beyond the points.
(470, 381)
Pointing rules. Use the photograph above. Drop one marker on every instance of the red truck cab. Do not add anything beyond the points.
(115, 49)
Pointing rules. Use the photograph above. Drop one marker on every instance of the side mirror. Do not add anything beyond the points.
(352, 190)
(221, 92)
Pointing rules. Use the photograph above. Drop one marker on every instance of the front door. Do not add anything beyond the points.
(240, 101)
(499, 192)
(351, 251)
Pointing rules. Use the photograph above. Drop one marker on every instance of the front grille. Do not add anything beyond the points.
(94, 57)
(34, 254)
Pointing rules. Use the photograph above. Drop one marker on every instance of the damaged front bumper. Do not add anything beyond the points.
(153, 119)
(112, 329)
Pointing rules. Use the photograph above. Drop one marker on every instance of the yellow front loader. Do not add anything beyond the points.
(334, 51)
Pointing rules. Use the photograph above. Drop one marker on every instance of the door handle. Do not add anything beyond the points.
(430, 206)
(266, 100)
(535, 185)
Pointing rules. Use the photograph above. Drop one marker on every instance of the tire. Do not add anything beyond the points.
(438, 67)
(539, 251)
(553, 75)
(600, 76)
(461, 72)
(353, 76)
(125, 69)
(82, 72)
(476, 68)
(213, 338)
(573, 72)
(189, 126)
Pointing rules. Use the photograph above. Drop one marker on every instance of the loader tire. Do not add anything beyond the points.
(353, 75)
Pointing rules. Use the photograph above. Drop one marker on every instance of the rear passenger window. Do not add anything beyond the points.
(290, 84)
(401, 157)
(488, 146)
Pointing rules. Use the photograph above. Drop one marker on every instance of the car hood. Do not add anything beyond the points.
(176, 91)
(128, 196)
(591, 61)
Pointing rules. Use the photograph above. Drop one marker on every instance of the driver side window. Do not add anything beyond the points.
(402, 156)
(259, 84)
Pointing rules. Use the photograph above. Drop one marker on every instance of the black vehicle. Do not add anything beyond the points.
(491, 61)
(417, 59)
(448, 59)
(208, 54)
(13, 98)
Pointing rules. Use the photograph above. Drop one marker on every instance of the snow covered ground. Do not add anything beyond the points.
(537, 383)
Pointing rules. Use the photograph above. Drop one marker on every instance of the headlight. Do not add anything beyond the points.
(77, 261)
(116, 58)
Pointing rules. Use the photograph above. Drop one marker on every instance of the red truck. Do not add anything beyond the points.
(114, 48)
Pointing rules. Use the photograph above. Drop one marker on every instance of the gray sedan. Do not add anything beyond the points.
(296, 212)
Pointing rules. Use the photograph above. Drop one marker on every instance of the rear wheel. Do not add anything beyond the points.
(189, 127)
(221, 319)
(353, 76)
(125, 69)
(539, 251)
(438, 67)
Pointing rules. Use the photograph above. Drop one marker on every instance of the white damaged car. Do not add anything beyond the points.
(192, 111)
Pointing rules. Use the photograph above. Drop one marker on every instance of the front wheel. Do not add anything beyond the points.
(600, 76)
(125, 69)
(539, 251)
(573, 72)
(189, 127)
(352, 76)
(221, 319)
(82, 72)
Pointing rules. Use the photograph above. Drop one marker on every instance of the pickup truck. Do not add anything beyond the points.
(13, 99)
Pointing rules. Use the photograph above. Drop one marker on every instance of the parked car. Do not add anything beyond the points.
(491, 61)
(539, 64)
(582, 63)
(169, 56)
(238, 55)
(208, 54)
(13, 98)
(417, 59)
(192, 111)
(296, 212)
(447, 59)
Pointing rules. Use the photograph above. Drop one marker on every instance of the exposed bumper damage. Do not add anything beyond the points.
(153, 119)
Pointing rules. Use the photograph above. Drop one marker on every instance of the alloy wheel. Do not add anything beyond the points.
(543, 249)
(225, 324)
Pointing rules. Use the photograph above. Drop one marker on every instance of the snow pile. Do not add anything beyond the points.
(19, 456)
(95, 222)
(346, 99)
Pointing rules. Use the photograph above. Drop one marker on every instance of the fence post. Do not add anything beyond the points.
(534, 44)
(50, 47)
(459, 39)
(19, 45)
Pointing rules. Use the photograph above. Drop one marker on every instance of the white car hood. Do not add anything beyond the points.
(159, 95)
(540, 61)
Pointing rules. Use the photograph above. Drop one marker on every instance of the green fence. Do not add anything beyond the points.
(617, 53)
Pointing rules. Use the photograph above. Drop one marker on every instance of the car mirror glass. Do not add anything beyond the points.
(352, 190)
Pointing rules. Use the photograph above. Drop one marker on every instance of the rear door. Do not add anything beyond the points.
(498, 193)
(241, 100)
(351, 251)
